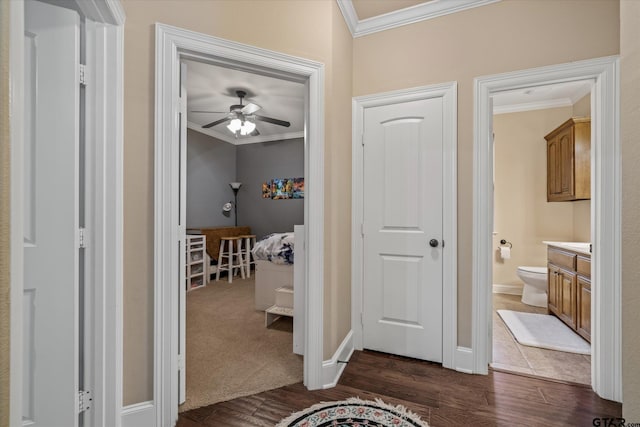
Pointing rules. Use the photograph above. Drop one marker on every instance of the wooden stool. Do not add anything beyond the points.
(234, 256)
(249, 243)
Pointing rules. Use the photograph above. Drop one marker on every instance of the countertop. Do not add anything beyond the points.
(579, 247)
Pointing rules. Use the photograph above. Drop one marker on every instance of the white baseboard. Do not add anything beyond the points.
(507, 289)
(332, 369)
(139, 415)
(464, 360)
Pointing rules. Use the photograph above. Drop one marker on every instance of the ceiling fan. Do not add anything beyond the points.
(242, 119)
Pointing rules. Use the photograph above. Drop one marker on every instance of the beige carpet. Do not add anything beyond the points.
(229, 351)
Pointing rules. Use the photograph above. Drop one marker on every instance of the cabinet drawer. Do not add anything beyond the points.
(583, 266)
(562, 258)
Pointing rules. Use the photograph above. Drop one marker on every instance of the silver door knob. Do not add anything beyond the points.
(433, 243)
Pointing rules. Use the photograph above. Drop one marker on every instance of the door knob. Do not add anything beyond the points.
(433, 243)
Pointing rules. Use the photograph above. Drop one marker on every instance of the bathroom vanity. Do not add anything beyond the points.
(569, 289)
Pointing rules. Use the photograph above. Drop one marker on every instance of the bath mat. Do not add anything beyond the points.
(544, 331)
(353, 412)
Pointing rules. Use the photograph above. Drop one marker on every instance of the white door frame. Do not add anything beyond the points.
(172, 45)
(606, 365)
(448, 93)
(103, 256)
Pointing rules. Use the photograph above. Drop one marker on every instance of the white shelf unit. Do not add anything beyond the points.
(195, 263)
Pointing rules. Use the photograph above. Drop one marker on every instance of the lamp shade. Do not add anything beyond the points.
(235, 185)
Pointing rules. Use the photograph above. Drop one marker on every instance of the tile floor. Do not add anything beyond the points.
(510, 356)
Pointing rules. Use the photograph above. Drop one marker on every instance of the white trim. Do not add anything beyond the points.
(332, 369)
(104, 208)
(139, 415)
(464, 360)
(409, 15)
(172, 44)
(448, 93)
(226, 137)
(507, 289)
(605, 211)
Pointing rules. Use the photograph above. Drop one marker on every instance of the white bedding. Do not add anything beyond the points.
(277, 248)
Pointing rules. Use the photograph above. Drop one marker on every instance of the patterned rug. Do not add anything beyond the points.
(353, 412)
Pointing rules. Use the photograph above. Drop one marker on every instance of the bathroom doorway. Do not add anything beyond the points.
(524, 218)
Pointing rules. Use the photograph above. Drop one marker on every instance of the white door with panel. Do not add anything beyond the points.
(403, 228)
(51, 216)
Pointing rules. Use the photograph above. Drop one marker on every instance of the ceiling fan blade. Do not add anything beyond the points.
(250, 108)
(217, 122)
(273, 121)
(255, 132)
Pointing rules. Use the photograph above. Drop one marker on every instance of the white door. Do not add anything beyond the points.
(402, 286)
(182, 220)
(51, 216)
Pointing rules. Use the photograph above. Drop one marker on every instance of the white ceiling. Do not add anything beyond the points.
(212, 88)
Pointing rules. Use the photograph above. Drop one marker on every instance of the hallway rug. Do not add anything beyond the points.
(544, 331)
(353, 412)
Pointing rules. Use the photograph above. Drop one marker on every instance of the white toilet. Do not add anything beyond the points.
(534, 291)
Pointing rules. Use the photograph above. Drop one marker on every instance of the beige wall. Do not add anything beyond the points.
(582, 208)
(5, 236)
(630, 137)
(308, 29)
(505, 36)
(522, 214)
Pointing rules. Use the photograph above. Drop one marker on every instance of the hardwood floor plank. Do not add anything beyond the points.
(441, 397)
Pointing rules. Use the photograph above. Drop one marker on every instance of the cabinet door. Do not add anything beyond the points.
(568, 298)
(566, 163)
(553, 290)
(553, 169)
(584, 308)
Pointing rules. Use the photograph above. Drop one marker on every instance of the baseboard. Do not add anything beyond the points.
(332, 369)
(507, 289)
(139, 415)
(464, 360)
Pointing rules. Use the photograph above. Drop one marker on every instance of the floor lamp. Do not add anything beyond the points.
(235, 186)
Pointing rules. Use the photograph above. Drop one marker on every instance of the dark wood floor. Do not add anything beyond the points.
(441, 397)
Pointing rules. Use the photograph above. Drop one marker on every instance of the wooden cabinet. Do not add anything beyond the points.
(569, 161)
(195, 262)
(569, 289)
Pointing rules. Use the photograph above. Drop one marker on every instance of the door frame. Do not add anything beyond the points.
(104, 213)
(448, 93)
(606, 363)
(172, 45)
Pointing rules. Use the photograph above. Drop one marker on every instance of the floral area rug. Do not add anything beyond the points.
(353, 412)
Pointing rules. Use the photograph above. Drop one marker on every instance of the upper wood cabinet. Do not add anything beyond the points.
(569, 161)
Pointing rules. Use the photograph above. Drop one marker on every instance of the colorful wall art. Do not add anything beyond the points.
(283, 188)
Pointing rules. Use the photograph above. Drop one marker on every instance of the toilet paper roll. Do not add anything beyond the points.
(505, 252)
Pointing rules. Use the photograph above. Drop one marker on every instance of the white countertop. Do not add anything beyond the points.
(580, 247)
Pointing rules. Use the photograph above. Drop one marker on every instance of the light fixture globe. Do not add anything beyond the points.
(235, 125)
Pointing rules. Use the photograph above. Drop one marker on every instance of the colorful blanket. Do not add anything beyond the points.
(277, 248)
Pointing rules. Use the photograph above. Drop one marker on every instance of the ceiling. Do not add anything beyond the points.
(369, 8)
(212, 88)
(541, 97)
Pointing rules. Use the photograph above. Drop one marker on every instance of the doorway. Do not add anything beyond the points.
(174, 45)
(605, 211)
(445, 243)
(524, 218)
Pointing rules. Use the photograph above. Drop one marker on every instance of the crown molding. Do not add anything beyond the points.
(226, 137)
(409, 15)
(530, 106)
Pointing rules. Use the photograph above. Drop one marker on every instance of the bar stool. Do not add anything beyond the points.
(234, 255)
(249, 243)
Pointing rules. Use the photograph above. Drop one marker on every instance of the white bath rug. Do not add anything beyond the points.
(544, 331)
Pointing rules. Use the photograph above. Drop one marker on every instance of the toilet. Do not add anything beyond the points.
(534, 291)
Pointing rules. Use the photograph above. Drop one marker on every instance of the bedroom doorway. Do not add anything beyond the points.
(236, 183)
(173, 46)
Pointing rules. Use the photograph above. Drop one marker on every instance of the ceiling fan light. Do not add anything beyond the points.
(235, 125)
(247, 128)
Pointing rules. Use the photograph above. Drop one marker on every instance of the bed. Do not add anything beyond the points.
(274, 258)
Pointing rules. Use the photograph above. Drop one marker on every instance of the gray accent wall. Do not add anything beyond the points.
(257, 163)
(211, 166)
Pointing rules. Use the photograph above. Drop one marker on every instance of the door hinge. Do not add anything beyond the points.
(362, 139)
(85, 400)
(180, 362)
(83, 74)
(361, 320)
(362, 229)
(82, 238)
